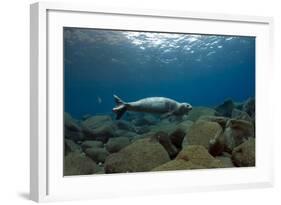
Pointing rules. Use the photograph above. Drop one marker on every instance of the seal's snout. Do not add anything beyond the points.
(187, 106)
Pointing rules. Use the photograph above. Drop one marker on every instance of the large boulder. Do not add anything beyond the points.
(142, 129)
(125, 133)
(116, 163)
(164, 139)
(71, 146)
(91, 144)
(170, 127)
(239, 105)
(99, 127)
(179, 164)
(145, 119)
(249, 107)
(140, 156)
(217, 144)
(237, 132)
(177, 137)
(70, 123)
(172, 141)
(184, 125)
(240, 115)
(219, 119)
(78, 164)
(116, 144)
(72, 130)
(162, 127)
(227, 162)
(199, 155)
(97, 154)
(101, 133)
(86, 116)
(244, 154)
(197, 112)
(225, 109)
(202, 132)
(96, 121)
(125, 125)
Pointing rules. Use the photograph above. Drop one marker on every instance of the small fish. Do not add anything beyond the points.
(99, 99)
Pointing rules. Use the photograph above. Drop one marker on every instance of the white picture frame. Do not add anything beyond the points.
(46, 145)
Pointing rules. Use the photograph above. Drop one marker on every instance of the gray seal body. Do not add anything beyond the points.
(157, 105)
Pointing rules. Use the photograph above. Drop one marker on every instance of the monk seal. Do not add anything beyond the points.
(157, 105)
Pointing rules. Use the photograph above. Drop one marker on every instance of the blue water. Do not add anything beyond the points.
(199, 69)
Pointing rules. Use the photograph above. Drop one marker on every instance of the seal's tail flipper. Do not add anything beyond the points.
(120, 108)
(118, 100)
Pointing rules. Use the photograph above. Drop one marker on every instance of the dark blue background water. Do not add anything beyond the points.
(199, 69)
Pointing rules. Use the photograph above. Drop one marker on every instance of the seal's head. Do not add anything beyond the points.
(185, 108)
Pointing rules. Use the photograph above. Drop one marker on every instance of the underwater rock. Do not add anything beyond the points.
(185, 141)
(216, 144)
(225, 109)
(78, 164)
(162, 127)
(177, 137)
(125, 125)
(102, 133)
(116, 144)
(244, 154)
(142, 129)
(140, 156)
(174, 118)
(238, 105)
(226, 161)
(240, 115)
(75, 136)
(178, 164)
(131, 116)
(124, 133)
(199, 155)
(164, 139)
(146, 119)
(71, 146)
(151, 119)
(219, 119)
(88, 133)
(202, 132)
(116, 163)
(249, 107)
(97, 154)
(91, 144)
(226, 154)
(86, 116)
(170, 127)
(71, 128)
(97, 121)
(184, 125)
(197, 112)
(166, 120)
(237, 132)
(70, 123)
(99, 127)
(100, 169)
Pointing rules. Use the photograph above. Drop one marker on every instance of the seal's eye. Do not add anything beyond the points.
(188, 106)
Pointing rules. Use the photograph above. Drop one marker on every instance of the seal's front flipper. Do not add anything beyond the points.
(168, 114)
